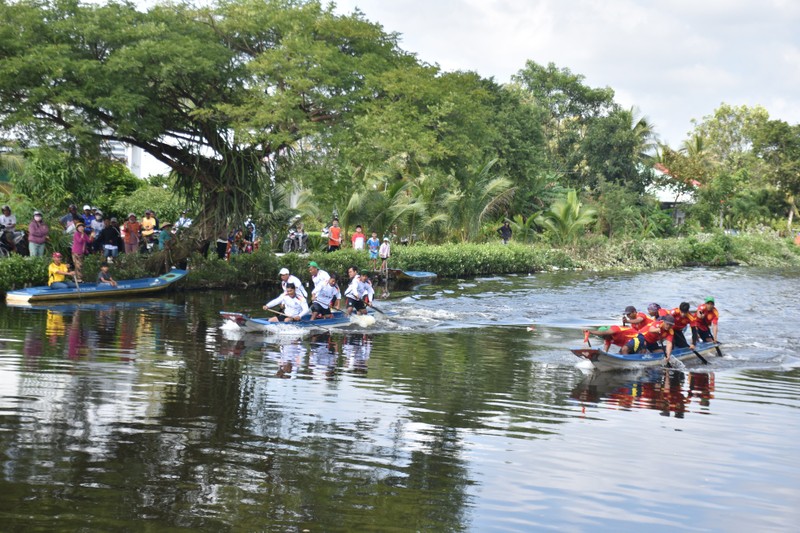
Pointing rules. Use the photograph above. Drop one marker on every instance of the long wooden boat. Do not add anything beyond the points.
(603, 360)
(411, 275)
(126, 287)
(253, 324)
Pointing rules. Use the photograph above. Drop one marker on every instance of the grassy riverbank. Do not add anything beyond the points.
(451, 261)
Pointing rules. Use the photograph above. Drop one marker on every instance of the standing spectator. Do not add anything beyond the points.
(66, 220)
(133, 231)
(87, 216)
(373, 244)
(149, 225)
(164, 235)
(110, 240)
(37, 235)
(222, 243)
(80, 247)
(334, 236)
(385, 252)
(358, 239)
(97, 226)
(505, 231)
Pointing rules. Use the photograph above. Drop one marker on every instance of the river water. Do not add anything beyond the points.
(449, 414)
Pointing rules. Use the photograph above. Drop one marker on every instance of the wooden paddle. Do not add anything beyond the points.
(375, 308)
(703, 359)
(279, 313)
(77, 285)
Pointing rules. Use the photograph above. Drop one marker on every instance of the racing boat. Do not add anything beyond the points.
(254, 324)
(603, 360)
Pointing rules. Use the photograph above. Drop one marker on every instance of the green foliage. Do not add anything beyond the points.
(465, 260)
(710, 249)
(55, 179)
(567, 218)
(163, 202)
(621, 212)
(17, 272)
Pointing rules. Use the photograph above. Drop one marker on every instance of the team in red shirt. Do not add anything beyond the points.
(661, 330)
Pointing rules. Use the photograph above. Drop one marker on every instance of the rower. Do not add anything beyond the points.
(325, 298)
(660, 330)
(294, 305)
(637, 320)
(682, 318)
(616, 335)
(287, 278)
(355, 293)
(705, 325)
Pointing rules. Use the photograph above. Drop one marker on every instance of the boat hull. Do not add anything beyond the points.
(128, 287)
(253, 324)
(603, 360)
(411, 275)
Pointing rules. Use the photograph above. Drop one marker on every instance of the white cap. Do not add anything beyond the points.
(283, 271)
(87, 206)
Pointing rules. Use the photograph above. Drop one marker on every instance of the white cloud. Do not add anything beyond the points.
(674, 59)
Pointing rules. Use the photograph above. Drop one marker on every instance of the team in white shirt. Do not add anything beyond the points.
(325, 295)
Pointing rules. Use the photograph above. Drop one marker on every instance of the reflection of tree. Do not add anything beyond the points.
(187, 439)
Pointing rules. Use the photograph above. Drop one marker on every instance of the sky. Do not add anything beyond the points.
(674, 60)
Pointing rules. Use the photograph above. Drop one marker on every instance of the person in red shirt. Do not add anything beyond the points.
(637, 321)
(358, 239)
(660, 330)
(705, 325)
(334, 236)
(682, 318)
(616, 335)
(656, 312)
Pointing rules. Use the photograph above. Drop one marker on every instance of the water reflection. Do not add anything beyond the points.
(410, 425)
(669, 391)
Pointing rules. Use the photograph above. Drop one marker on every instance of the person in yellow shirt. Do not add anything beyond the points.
(149, 225)
(58, 272)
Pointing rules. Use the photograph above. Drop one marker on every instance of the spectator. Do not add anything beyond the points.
(133, 231)
(80, 247)
(358, 239)
(37, 235)
(505, 231)
(110, 239)
(66, 220)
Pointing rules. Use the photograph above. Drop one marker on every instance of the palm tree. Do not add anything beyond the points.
(482, 196)
(567, 218)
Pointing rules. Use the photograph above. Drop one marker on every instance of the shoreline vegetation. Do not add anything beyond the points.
(596, 254)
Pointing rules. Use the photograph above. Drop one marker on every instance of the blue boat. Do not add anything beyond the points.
(411, 275)
(603, 360)
(126, 287)
(253, 324)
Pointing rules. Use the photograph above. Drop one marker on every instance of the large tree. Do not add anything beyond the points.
(218, 93)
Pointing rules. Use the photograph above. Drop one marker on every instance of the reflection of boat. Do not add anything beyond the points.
(603, 360)
(654, 388)
(411, 275)
(248, 323)
(71, 307)
(125, 287)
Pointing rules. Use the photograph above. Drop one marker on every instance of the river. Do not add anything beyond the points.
(463, 410)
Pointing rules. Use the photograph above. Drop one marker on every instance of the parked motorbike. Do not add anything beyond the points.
(296, 241)
(13, 242)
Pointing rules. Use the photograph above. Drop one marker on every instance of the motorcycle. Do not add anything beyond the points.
(13, 242)
(296, 241)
